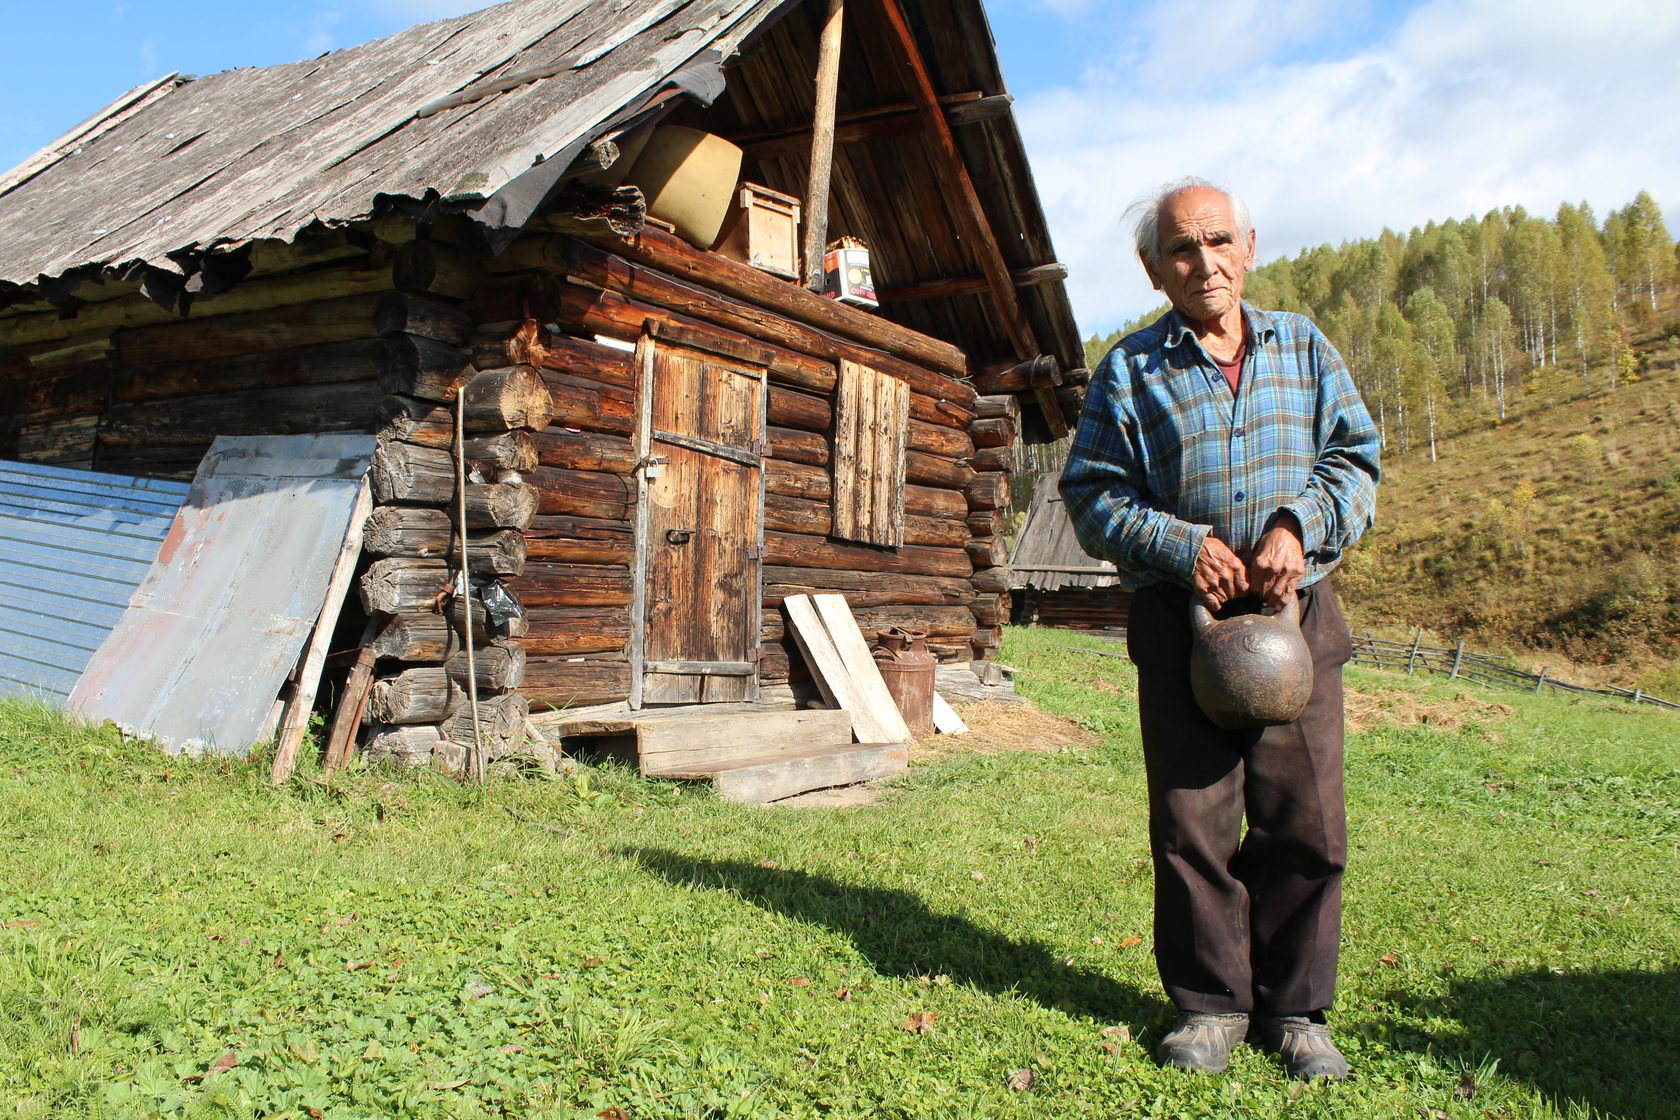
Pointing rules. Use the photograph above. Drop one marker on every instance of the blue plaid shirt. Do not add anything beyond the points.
(1165, 452)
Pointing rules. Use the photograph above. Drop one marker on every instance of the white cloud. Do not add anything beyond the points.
(320, 38)
(1064, 9)
(424, 11)
(1468, 105)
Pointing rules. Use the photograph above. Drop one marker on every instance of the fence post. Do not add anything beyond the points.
(1458, 660)
(1411, 659)
(1638, 695)
(1540, 680)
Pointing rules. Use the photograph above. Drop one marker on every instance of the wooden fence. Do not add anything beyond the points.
(1461, 664)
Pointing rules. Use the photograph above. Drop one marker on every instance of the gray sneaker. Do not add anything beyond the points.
(1303, 1044)
(1201, 1041)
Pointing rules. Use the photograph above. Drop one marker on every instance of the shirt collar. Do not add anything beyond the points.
(1262, 326)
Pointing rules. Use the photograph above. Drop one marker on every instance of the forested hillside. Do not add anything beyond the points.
(1523, 373)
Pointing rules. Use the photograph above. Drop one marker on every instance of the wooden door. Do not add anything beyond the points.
(701, 524)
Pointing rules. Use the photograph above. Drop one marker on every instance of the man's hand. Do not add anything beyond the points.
(1219, 576)
(1279, 562)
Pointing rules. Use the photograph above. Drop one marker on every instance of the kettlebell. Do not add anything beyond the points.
(1252, 670)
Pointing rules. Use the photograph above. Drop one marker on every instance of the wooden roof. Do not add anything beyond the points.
(891, 188)
(1047, 555)
(454, 110)
(480, 114)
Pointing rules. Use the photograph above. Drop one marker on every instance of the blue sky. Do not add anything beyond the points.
(1333, 118)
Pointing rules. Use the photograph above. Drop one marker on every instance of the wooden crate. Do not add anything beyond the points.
(762, 229)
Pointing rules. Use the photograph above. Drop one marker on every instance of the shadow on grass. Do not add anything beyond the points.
(902, 936)
(1604, 1039)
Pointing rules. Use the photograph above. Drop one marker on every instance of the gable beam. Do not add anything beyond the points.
(863, 125)
(967, 209)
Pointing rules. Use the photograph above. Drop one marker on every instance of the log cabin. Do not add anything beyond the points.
(460, 240)
(1053, 580)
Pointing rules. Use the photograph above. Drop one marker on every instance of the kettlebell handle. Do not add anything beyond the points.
(1201, 620)
(1291, 612)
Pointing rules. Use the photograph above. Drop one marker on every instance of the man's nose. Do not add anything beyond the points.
(1201, 262)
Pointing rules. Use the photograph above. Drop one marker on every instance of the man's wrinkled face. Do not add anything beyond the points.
(1204, 256)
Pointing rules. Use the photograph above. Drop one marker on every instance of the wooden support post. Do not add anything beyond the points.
(341, 740)
(315, 655)
(822, 146)
(1540, 681)
(1411, 660)
(1458, 661)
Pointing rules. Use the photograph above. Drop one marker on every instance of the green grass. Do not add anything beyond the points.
(388, 944)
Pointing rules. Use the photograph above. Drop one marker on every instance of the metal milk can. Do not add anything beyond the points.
(1252, 670)
(908, 668)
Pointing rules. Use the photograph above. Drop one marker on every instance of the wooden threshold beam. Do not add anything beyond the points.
(968, 285)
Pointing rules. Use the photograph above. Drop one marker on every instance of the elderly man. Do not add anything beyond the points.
(1224, 453)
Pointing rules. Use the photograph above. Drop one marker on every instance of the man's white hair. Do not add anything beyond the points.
(1145, 215)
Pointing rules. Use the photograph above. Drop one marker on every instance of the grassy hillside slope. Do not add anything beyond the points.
(1552, 534)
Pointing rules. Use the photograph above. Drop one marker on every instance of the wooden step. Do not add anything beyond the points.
(691, 736)
(700, 741)
(771, 777)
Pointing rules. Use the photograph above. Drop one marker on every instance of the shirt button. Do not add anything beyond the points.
(1238, 495)
(1238, 432)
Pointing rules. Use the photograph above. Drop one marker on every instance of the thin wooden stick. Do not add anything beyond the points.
(296, 723)
(475, 760)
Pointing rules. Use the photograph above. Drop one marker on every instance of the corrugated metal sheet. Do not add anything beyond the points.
(1047, 555)
(223, 614)
(74, 545)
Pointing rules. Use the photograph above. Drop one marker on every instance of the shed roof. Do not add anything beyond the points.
(1047, 556)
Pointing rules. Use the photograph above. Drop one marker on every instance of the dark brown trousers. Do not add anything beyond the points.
(1243, 922)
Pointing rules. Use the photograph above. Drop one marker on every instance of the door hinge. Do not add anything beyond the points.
(762, 448)
(756, 552)
(755, 655)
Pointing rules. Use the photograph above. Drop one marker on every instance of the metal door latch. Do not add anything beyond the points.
(651, 467)
(678, 536)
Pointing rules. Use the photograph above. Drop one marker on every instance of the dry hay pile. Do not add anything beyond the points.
(995, 727)
(1367, 710)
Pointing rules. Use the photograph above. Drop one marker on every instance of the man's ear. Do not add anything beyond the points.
(1154, 280)
(1253, 241)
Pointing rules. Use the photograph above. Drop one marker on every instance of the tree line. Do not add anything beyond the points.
(1461, 316)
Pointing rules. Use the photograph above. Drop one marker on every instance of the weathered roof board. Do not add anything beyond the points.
(1047, 546)
(222, 616)
(73, 547)
(265, 153)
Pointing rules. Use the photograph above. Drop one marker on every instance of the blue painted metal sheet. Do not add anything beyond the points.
(74, 545)
(220, 620)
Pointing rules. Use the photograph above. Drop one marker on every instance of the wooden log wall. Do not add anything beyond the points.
(420, 703)
(357, 330)
(591, 301)
(116, 383)
(1073, 608)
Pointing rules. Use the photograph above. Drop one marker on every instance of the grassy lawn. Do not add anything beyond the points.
(179, 938)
